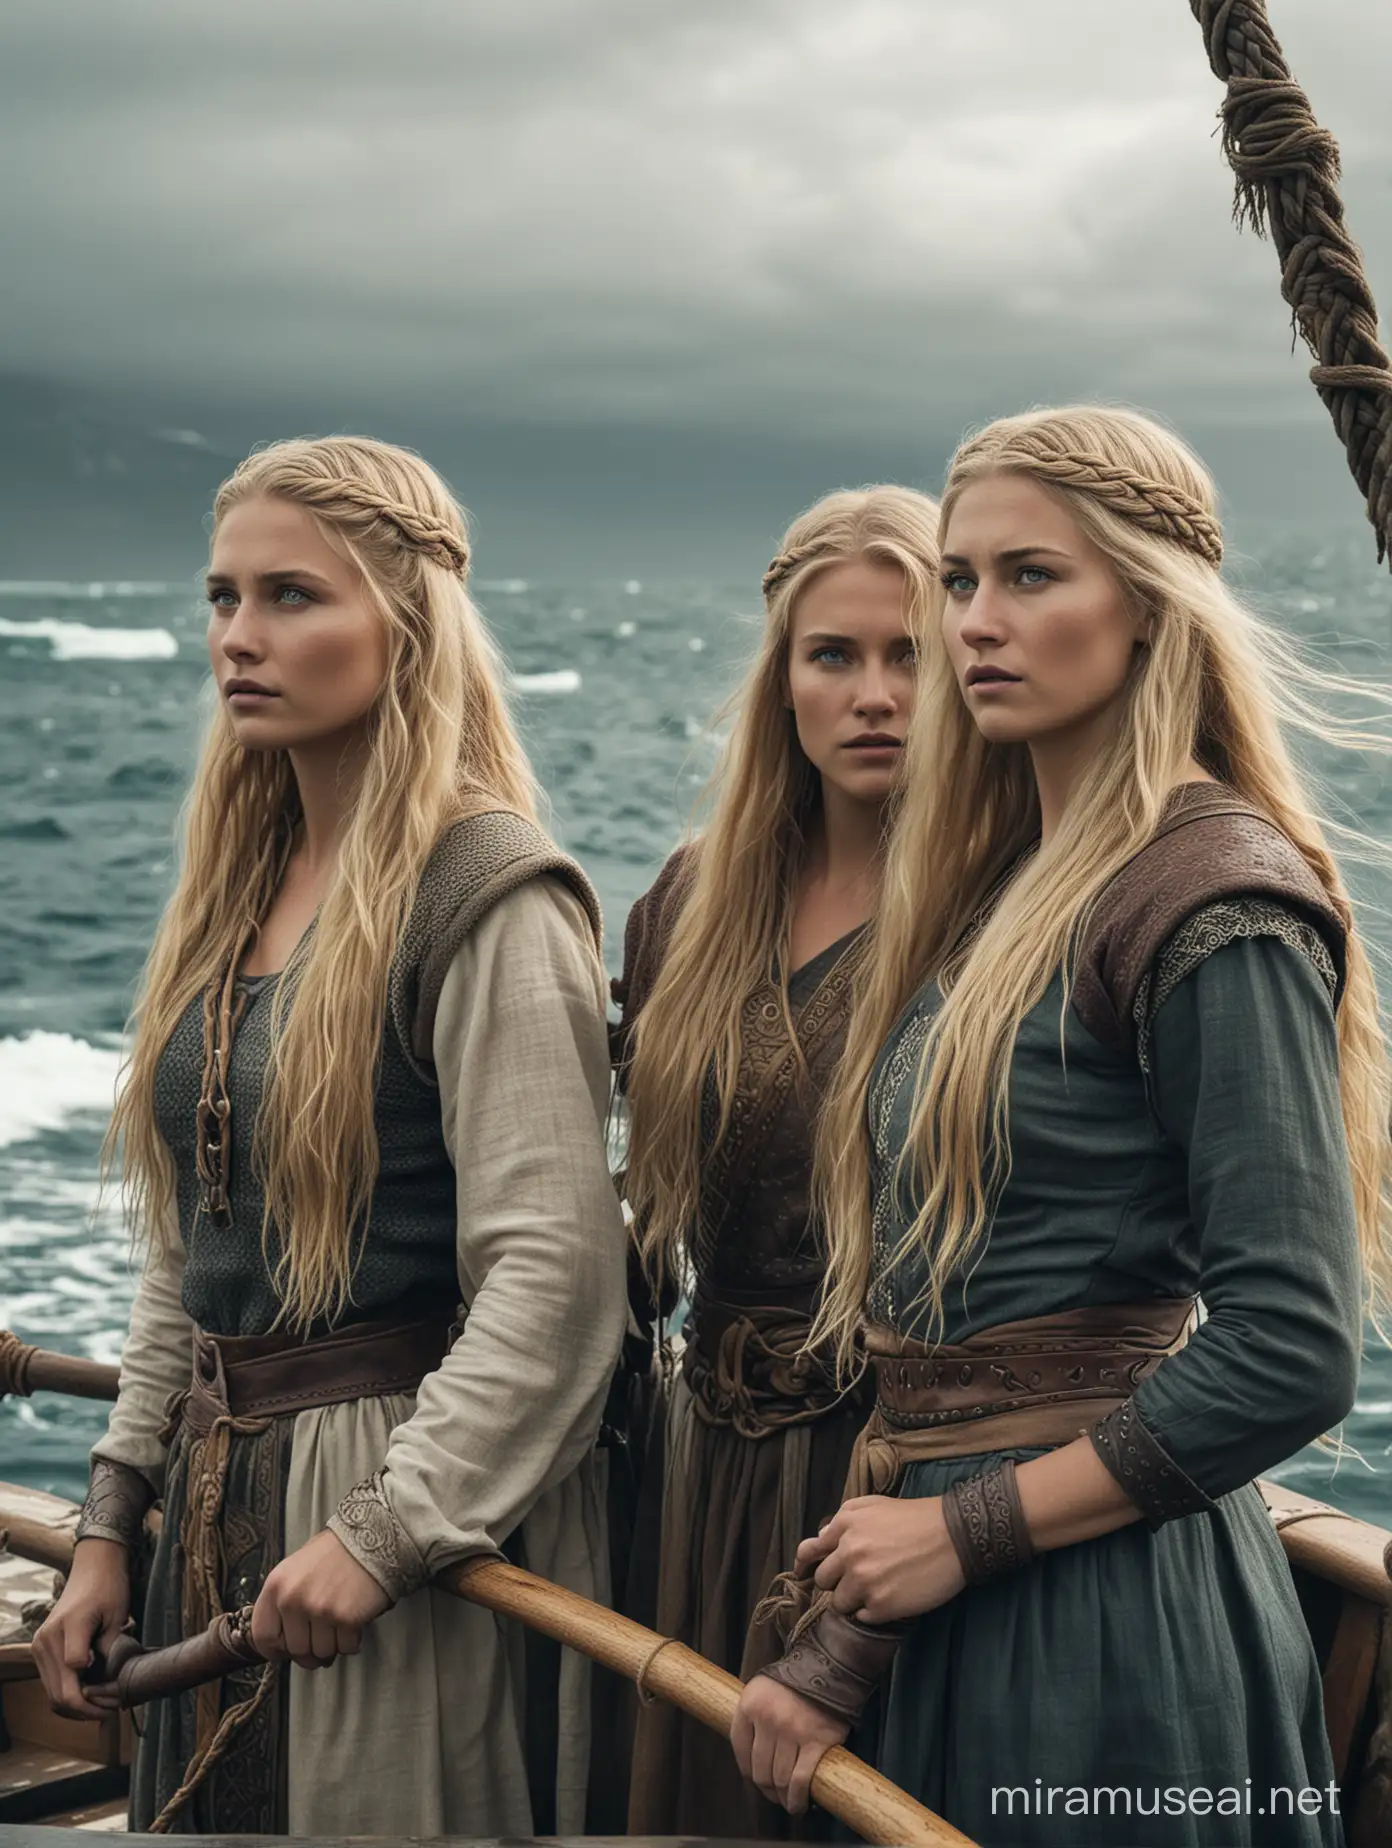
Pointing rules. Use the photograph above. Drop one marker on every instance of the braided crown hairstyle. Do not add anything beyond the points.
(441, 745)
(733, 933)
(1212, 683)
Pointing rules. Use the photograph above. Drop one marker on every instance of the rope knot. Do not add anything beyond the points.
(15, 1358)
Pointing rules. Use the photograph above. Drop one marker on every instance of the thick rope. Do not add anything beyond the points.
(201, 1543)
(206, 1759)
(15, 1356)
(1287, 169)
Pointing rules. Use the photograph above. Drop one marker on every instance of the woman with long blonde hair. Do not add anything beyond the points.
(362, 1135)
(735, 992)
(1117, 1047)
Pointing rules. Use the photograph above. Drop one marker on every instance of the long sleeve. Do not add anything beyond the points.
(157, 1360)
(1245, 1081)
(520, 1052)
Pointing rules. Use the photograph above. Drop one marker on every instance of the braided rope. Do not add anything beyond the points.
(1287, 168)
(421, 531)
(207, 1757)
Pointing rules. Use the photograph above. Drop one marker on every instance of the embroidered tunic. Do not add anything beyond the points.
(757, 1441)
(1205, 1153)
(494, 1189)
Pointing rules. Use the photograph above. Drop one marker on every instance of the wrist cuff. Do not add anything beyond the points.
(117, 1499)
(837, 1662)
(367, 1526)
(986, 1524)
(1145, 1469)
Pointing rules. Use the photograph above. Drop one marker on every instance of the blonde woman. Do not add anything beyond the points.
(1118, 1046)
(735, 991)
(368, 1080)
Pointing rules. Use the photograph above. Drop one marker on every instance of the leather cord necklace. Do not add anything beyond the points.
(224, 1003)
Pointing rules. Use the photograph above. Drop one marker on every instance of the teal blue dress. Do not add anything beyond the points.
(1157, 1685)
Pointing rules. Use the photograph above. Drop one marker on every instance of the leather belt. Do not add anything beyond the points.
(1031, 1384)
(264, 1376)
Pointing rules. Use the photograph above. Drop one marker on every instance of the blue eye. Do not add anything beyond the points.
(288, 591)
(1035, 574)
(958, 583)
(821, 654)
(222, 598)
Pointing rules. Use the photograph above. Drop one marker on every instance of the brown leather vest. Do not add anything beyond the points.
(1211, 845)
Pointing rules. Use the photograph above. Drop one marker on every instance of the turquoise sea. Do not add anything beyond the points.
(100, 705)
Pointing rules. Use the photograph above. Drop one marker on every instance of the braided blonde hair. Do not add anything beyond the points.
(1212, 684)
(734, 929)
(441, 746)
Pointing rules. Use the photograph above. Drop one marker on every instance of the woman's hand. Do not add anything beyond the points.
(885, 1558)
(91, 1614)
(314, 1605)
(779, 1739)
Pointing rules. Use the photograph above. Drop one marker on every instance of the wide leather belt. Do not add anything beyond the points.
(1036, 1383)
(263, 1376)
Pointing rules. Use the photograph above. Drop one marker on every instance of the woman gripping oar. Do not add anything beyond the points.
(368, 1079)
(1119, 1047)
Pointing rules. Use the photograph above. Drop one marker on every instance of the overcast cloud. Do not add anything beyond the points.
(695, 224)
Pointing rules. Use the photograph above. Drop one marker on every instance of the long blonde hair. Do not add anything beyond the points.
(1213, 684)
(733, 932)
(441, 746)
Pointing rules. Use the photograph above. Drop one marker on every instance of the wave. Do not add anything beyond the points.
(43, 828)
(46, 1079)
(60, 587)
(560, 680)
(78, 641)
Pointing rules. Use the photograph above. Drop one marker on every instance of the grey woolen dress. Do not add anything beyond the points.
(1158, 1681)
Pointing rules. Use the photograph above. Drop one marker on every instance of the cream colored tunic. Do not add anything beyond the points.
(421, 1733)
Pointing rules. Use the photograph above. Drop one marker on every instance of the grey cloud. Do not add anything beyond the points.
(836, 222)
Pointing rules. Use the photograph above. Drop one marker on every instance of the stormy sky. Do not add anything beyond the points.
(644, 276)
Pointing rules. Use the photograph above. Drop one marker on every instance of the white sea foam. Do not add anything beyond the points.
(48, 1078)
(561, 680)
(78, 641)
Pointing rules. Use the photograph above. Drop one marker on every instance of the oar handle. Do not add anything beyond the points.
(25, 1369)
(853, 1792)
(876, 1809)
(130, 1675)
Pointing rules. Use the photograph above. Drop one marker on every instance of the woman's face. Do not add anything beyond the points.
(1036, 627)
(298, 652)
(851, 676)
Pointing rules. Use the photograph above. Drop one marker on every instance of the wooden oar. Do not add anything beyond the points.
(25, 1369)
(851, 1790)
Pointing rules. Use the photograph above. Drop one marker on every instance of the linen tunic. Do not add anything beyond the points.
(1148, 1661)
(425, 1732)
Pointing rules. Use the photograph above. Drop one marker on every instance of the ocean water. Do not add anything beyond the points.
(101, 698)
